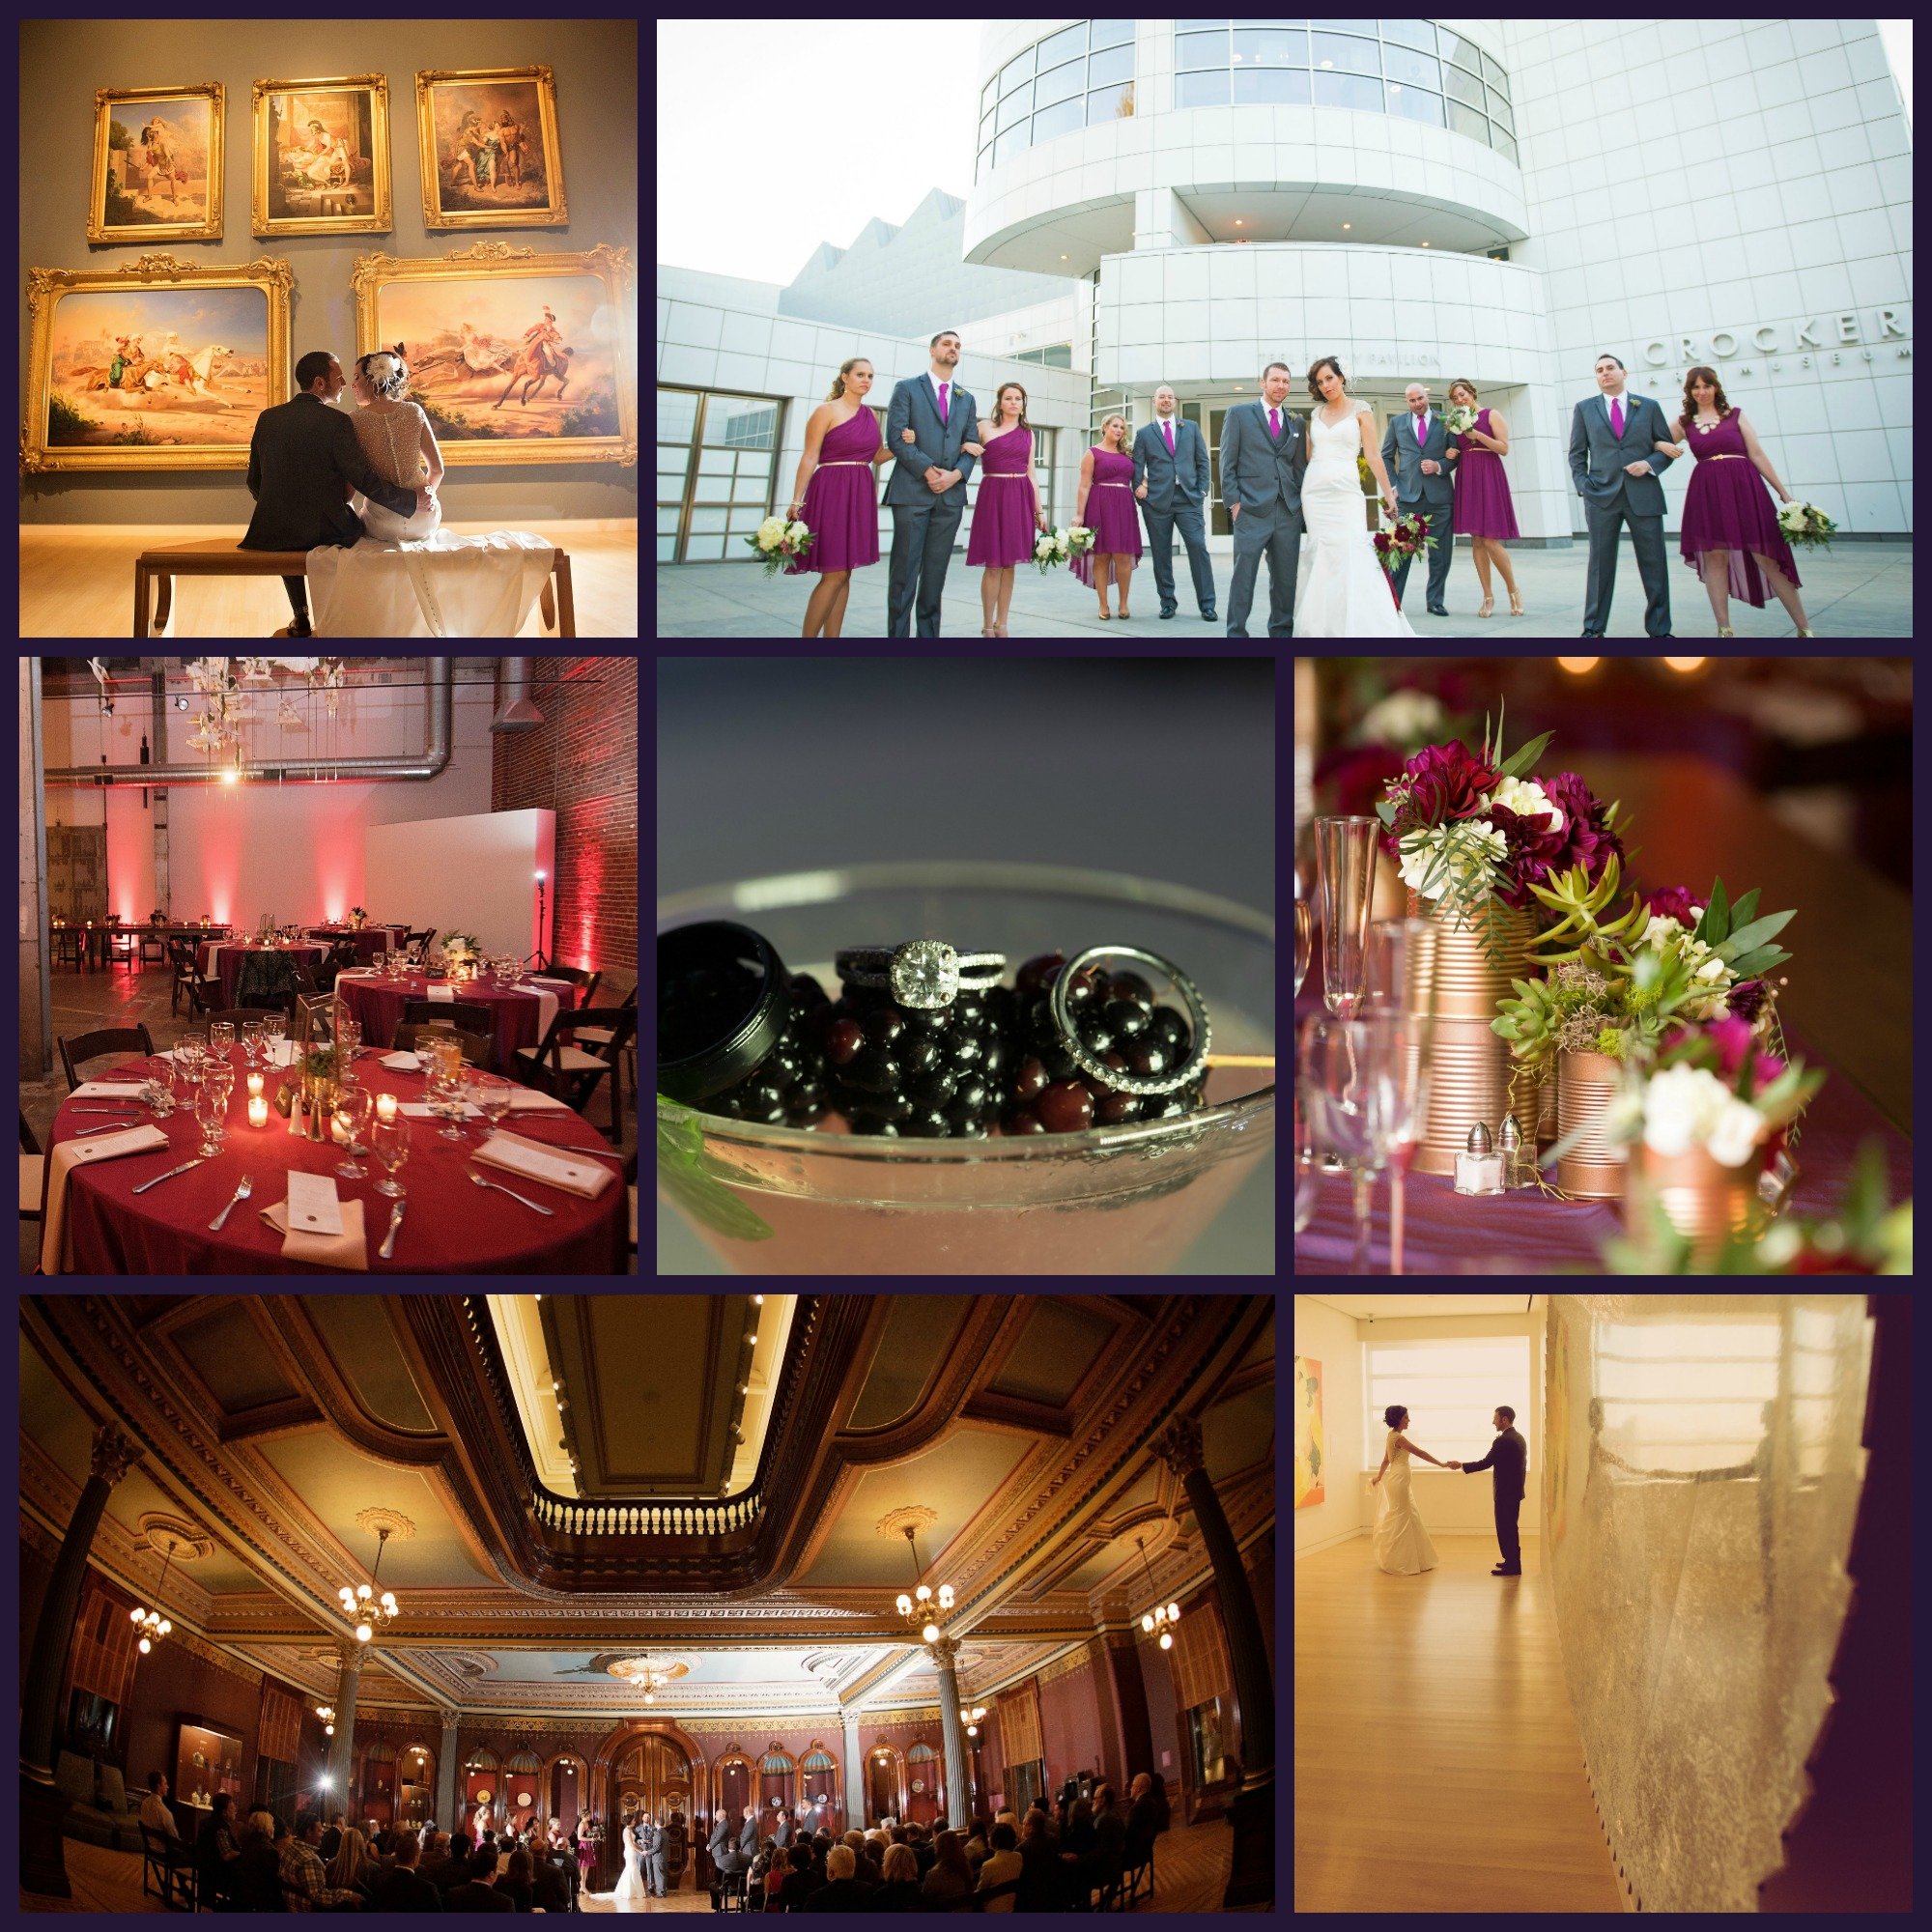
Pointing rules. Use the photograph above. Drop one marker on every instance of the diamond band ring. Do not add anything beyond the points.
(922, 973)
(1131, 1082)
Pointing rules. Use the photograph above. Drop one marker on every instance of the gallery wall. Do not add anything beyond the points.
(1325, 1335)
(62, 62)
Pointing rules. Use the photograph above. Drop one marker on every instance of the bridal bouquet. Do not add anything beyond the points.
(1053, 548)
(1805, 523)
(1462, 419)
(1405, 537)
(780, 544)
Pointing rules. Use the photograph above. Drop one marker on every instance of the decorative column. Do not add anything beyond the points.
(445, 1774)
(342, 1759)
(856, 1803)
(959, 1786)
(1252, 1879)
(43, 1862)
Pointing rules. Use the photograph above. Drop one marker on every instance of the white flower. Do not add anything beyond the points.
(1472, 847)
(1680, 1105)
(1527, 800)
(770, 531)
(1659, 932)
(1734, 1135)
(1403, 717)
(798, 531)
(1712, 969)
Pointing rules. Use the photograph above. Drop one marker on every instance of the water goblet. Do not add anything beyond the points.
(275, 1031)
(348, 1036)
(380, 962)
(157, 1086)
(221, 1036)
(211, 1109)
(494, 1099)
(390, 1140)
(251, 1043)
(356, 1103)
(446, 1082)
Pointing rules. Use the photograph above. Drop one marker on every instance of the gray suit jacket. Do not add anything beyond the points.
(1403, 459)
(935, 444)
(1183, 475)
(1257, 472)
(1597, 456)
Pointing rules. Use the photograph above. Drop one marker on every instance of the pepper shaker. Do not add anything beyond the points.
(1478, 1171)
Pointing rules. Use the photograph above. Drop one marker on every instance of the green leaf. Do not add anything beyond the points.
(1744, 910)
(1716, 925)
(1525, 758)
(1755, 964)
(1385, 811)
(683, 1174)
(1745, 937)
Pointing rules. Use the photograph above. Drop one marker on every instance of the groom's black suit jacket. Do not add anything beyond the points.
(1509, 1457)
(301, 454)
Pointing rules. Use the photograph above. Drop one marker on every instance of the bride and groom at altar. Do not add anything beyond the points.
(644, 1875)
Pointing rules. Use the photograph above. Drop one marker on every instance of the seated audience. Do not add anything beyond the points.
(258, 1871)
(550, 1882)
(898, 1890)
(218, 1853)
(479, 1892)
(976, 1843)
(951, 1875)
(352, 1869)
(840, 1891)
(304, 1872)
(154, 1812)
(403, 1887)
(518, 1880)
(1040, 1886)
(447, 1865)
(332, 1838)
(1002, 1862)
(804, 1878)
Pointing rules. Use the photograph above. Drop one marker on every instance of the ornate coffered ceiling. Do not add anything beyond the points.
(1013, 1430)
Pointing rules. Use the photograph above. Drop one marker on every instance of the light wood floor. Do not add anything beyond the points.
(1437, 1767)
(78, 581)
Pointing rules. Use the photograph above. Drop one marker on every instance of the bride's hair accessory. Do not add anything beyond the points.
(387, 373)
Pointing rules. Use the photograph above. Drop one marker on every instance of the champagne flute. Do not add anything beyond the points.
(1367, 1088)
(1304, 939)
(1399, 981)
(1345, 848)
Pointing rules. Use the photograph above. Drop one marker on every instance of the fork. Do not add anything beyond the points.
(512, 1193)
(241, 1193)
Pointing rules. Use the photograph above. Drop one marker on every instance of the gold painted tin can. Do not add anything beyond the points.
(1704, 1199)
(1585, 1083)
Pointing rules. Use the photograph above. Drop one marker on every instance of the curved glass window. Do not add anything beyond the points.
(1412, 69)
(1063, 47)
(1109, 66)
(1113, 33)
(1076, 76)
(1262, 84)
(1348, 90)
(1016, 70)
(1269, 46)
(1342, 53)
(1410, 34)
(1194, 50)
(1060, 83)
(1212, 89)
(1415, 104)
(1464, 87)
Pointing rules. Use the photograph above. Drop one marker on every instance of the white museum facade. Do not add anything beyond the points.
(1182, 201)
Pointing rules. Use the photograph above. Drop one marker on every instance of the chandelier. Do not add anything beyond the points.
(1163, 1616)
(972, 1719)
(372, 1612)
(917, 1610)
(649, 1680)
(327, 1713)
(152, 1625)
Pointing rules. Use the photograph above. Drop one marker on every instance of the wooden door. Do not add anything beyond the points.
(653, 1775)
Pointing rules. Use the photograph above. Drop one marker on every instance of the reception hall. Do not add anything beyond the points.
(1603, 965)
(614, 1602)
(329, 964)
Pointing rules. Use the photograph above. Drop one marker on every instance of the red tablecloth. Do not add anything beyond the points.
(379, 1005)
(452, 1226)
(367, 940)
(221, 960)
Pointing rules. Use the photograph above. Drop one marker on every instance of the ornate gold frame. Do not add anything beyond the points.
(44, 288)
(382, 220)
(151, 231)
(556, 215)
(496, 260)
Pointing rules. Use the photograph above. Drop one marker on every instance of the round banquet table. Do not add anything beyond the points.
(221, 960)
(377, 1004)
(367, 940)
(451, 1227)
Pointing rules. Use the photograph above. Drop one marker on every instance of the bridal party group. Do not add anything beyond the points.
(1439, 473)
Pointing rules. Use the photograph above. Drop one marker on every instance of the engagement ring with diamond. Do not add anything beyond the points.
(922, 973)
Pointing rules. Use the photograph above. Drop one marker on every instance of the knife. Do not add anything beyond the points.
(388, 1250)
(168, 1175)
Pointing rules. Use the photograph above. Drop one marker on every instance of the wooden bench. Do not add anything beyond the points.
(219, 556)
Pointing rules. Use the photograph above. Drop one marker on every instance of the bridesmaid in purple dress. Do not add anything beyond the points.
(1484, 511)
(1106, 506)
(836, 497)
(1730, 535)
(1004, 520)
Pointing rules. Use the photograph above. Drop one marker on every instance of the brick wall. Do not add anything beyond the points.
(582, 763)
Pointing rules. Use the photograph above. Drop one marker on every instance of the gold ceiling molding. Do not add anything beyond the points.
(171, 1537)
(916, 1516)
(636, 1667)
(376, 1520)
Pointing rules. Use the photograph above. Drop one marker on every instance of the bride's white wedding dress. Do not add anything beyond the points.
(1402, 1544)
(1343, 591)
(631, 1886)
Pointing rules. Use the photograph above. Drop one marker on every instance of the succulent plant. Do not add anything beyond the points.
(1578, 905)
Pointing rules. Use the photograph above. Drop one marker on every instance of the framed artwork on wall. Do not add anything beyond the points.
(157, 165)
(321, 155)
(491, 156)
(158, 364)
(515, 356)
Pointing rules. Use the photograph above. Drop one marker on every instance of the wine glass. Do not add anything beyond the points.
(446, 1082)
(356, 1103)
(1304, 939)
(390, 1141)
(1367, 1095)
(348, 1037)
(211, 1109)
(494, 1099)
(221, 1036)
(251, 1043)
(275, 1031)
(1345, 848)
(158, 1088)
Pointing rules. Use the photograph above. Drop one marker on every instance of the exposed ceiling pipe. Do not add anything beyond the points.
(518, 713)
(428, 763)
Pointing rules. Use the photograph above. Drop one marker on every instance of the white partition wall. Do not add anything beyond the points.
(477, 874)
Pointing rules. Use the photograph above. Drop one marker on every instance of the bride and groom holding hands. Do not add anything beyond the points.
(1402, 1544)
(644, 1875)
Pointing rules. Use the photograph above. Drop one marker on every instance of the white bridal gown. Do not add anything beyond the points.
(1343, 591)
(1402, 1545)
(631, 1886)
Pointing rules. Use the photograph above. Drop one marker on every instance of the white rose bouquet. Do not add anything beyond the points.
(780, 543)
(1462, 419)
(1805, 523)
(1053, 548)
(1712, 1089)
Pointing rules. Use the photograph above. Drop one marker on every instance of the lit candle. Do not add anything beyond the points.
(385, 1106)
(338, 1126)
(258, 1108)
(254, 1085)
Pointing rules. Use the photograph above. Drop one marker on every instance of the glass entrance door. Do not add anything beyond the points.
(715, 471)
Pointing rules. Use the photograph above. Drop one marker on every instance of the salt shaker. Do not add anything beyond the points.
(1517, 1172)
(1478, 1171)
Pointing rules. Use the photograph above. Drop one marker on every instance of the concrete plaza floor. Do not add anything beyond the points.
(1852, 591)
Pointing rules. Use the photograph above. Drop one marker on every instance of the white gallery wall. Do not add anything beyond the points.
(474, 874)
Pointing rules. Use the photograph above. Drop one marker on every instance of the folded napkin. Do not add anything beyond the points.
(421, 1110)
(522, 1099)
(446, 994)
(99, 1090)
(55, 1258)
(402, 1062)
(349, 1249)
(550, 1165)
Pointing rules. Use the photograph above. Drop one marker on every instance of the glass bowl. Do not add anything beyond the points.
(1125, 1200)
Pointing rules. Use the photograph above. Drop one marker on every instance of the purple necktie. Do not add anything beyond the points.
(943, 387)
(1274, 424)
(1617, 417)
(1421, 426)
(1167, 430)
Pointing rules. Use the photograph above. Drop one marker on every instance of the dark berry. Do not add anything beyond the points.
(918, 1053)
(1127, 1019)
(1030, 1080)
(934, 1090)
(844, 1041)
(924, 1020)
(921, 1070)
(963, 1046)
(1147, 1058)
(1085, 985)
(1131, 987)
(1025, 1121)
(1095, 1037)
(1039, 971)
(1059, 1064)
(1115, 1108)
(1065, 1108)
(972, 1094)
(884, 1024)
(876, 1070)
(806, 992)
(1170, 1026)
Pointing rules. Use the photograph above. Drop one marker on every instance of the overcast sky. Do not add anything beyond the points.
(775, 135)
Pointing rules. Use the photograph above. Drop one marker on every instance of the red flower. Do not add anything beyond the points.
(1441, 783)
(1586, 838)
(1356, 775)
(1674, 902)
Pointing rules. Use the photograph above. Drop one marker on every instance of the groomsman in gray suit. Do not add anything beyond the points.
(1416, 451)
(1264, 458)
(1170, 481)
(927, 492)
(1615, 463)
(651, 1842)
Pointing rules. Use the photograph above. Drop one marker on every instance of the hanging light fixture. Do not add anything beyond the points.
(918, 1609)
(153, 1626)
(327, 1713)
(1163, 1616)
(647, 1679)
(372, 1612)
(972, 1719)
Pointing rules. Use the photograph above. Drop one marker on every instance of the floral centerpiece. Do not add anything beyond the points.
(158, 916)
(461, 953)
(1805, 523)
(357, 918)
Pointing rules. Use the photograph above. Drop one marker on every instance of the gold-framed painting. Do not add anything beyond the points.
(321, 155)
(491, 156)
(156, 164)
(515, 356)
(158, 364)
